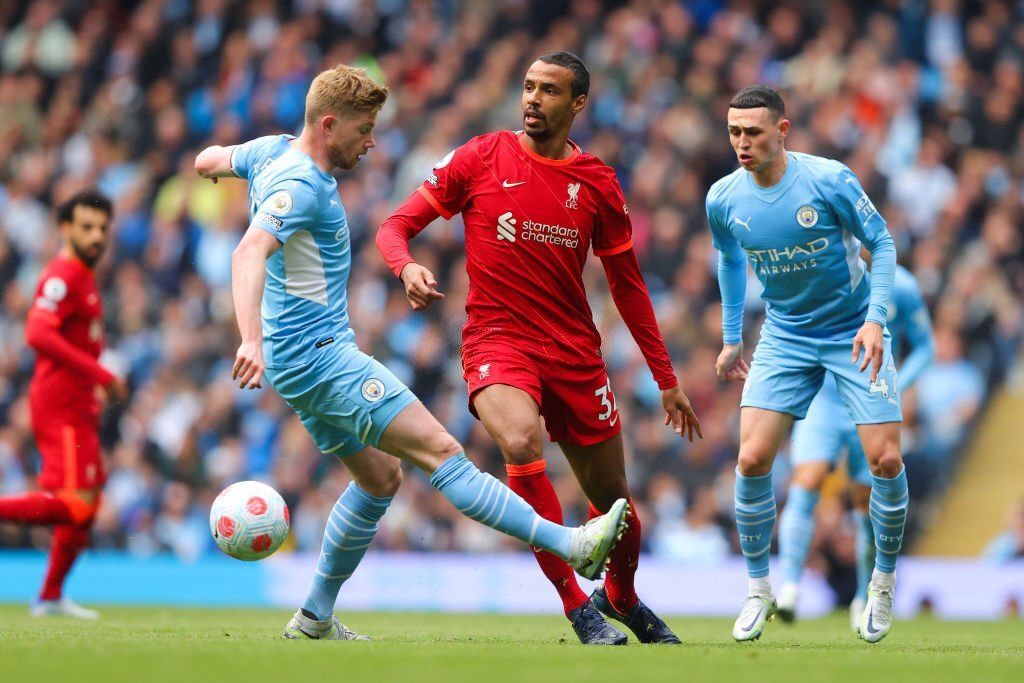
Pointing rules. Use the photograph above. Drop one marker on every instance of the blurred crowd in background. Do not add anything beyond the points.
(922, 99)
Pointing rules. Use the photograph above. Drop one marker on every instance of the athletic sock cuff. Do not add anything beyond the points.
(366, 504)
(535, 467)
(450, 470)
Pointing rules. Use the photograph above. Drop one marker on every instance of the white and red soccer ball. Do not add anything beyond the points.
(249, 520)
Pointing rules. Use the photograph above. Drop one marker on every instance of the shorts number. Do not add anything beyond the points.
(608, 404)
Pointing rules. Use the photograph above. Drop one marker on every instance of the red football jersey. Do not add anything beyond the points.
(68, 297)
(530, 223)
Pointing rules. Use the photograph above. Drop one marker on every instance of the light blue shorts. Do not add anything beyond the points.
(787, 372)
(826, 433)
(345, 398)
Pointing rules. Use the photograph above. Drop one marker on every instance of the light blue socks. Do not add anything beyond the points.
(889, 501)
(865, 551)
(755, 521)
(350, 529)
(484, 499)
(796, 531)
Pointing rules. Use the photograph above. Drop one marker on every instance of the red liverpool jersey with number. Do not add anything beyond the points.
(67, 298)
(530, 223)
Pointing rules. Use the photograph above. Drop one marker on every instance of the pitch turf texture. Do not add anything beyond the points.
(186, 646)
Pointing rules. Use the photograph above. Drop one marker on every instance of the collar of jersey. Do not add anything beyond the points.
(544, 160)
(771, 194)
(291, 148)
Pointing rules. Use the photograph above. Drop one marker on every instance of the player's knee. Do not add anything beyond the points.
(753, 462)
(521, 448)
(889, 462)
(386, 482)
(444, 445)
(82, 506)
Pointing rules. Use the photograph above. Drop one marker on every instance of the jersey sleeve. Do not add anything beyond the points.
(246, 156)
(732, 274)
(613, 233)
(290, 206)
(856, 212)
(56, 297)
(858, 215)
(448, 185)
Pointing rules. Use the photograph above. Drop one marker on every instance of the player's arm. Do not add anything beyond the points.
(443, 193)
(732, 283)
(42, 333)
(248, 276)
(922, 345)
(215, 162)
(393, 239)
(859, 216)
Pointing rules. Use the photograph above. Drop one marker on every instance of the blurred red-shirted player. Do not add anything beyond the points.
(65, 327)
(534, 204)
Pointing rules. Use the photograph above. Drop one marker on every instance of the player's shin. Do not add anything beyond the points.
(484, 499)
(349, 532)
(865, 549)
(68, 541)
(532, 483)
(619, 581)
(888, 509)
(755, 522)
(796, 531)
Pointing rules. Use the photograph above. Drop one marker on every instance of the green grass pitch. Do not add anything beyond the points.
(188, 646)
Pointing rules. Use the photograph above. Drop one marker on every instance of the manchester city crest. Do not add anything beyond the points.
(807, 216)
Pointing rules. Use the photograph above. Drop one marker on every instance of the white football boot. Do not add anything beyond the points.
(787, 602)
(302, 627)
(65, 607)
(857, 606)
(593, 542)
(757, 611)
(876, 620)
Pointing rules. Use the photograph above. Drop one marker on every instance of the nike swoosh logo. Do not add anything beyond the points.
(306, 633)
(752, 622)
(506, 183)
(871, 624)
(612, 423)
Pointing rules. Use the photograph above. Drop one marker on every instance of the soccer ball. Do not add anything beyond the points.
(249, 520)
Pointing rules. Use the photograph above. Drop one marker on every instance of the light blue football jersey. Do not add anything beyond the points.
(304, 298)
(802, 237)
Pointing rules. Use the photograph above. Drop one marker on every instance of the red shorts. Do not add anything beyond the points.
(70, 451)
(575, 396)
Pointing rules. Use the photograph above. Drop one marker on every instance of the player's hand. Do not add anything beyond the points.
(115, 391)
(730, 364)
(679, 413)
(420, 286)
(248, 369)
(871, 340)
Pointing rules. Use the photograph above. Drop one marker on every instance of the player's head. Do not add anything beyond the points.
(757, 126)
(554, 91)
(84, 222)
(341, 107)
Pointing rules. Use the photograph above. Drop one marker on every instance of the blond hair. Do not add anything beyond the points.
(343, 90)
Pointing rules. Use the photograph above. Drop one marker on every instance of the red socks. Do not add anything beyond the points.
(37, 507)
(531, 482)
(68, 541)
(618, 580)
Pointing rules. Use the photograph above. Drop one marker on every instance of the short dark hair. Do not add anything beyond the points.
(91, 197)
(756, 96)
(580, 73)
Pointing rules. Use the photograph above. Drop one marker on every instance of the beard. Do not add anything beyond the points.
(90, 256)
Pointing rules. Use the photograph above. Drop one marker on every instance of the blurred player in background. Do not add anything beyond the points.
(534, 204)
(801, 220)
(291, 269)
(819, 439)
(65, 327)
